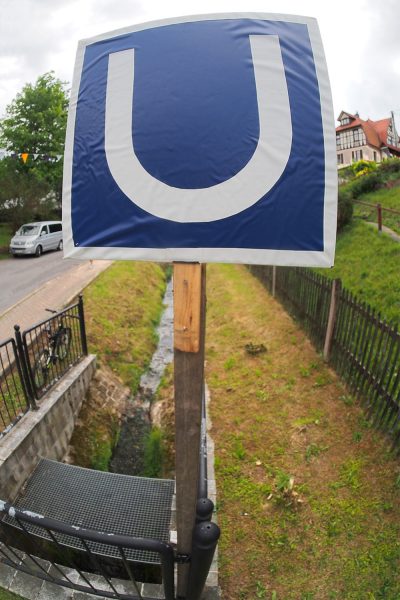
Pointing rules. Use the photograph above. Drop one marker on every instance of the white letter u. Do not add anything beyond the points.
(224, 199)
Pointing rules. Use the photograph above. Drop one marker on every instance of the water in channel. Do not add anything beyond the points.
(128, 455)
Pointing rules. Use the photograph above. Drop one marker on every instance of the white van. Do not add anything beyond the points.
(36, 238)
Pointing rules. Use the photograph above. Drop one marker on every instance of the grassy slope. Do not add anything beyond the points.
(122, 307)
(281, 413)
(368, 263)
(389, 198)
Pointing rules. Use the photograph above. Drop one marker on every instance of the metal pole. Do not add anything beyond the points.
(25, 368)
(82, 325)
(205, 539)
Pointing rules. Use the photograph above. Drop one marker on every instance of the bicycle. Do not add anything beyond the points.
(59, 342)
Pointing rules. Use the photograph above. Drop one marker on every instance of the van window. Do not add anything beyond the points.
(44, 230)
(28, 230)
(55, 227)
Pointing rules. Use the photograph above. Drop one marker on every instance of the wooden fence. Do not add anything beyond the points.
(355, 340)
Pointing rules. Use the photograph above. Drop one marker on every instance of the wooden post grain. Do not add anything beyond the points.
(189, 334)
(336, 286)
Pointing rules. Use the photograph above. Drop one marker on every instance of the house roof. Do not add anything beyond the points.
(375, 131)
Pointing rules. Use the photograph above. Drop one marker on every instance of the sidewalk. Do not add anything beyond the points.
(55, 294)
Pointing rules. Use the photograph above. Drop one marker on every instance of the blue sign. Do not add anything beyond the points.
(206, 138)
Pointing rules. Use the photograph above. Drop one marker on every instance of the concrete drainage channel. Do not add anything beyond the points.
(126, 461)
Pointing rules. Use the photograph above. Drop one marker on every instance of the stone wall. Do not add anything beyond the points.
(45, 432)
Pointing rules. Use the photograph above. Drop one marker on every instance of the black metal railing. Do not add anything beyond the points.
(205, 533)
(53, 346)
(75, 557)
(14, 400)
(364, 349)
(32, 362)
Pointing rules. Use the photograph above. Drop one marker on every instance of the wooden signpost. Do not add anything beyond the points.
(254, 183)
(189, 336)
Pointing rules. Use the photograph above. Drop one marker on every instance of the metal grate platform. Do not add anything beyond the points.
(107, 502)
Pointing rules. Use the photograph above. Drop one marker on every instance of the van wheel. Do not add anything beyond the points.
(60, 245)
(38, 251)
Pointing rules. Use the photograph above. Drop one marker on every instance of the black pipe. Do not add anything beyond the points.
(204, 510)
(205, 539)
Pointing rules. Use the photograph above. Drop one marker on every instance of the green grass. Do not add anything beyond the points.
(306, 510)
(388, 198)
(5, 595)
(368, 265)
(122, 308)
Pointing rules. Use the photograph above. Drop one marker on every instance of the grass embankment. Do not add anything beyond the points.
(368, 263)
(388, 198)
(4, 595)
(122, 308)
(282, 414)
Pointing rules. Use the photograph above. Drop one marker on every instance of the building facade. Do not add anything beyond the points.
(357, 139)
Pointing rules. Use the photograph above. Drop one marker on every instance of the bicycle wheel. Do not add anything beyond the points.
(63, 343)
(40, 370)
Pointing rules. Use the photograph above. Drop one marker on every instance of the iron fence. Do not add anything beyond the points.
(35, 360)
(78, 558)
(53, 346)
(14, 400)
(362, 347)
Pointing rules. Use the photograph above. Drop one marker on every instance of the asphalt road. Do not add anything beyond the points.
(23, 275)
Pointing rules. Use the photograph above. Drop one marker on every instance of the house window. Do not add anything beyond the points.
(345, 121)
(375, 156)
(350, 139)
(340, 159)
(356, 155)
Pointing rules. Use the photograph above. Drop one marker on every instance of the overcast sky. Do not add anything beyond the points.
(361, 40)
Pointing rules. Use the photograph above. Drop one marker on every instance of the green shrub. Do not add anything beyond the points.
(345, 208)
(362, 167)
(392, 165)
(365, 184)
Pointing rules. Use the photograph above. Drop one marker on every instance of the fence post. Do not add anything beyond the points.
(82, 325)
(273, 281)
(205, 539)
(336, 287)
(25, 369)
(379, 210)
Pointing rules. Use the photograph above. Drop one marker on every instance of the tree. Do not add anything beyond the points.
(35, 124)
(23, 197)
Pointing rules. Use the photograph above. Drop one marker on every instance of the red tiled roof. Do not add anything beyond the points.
(375, 131)
(381, 127)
